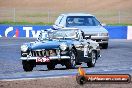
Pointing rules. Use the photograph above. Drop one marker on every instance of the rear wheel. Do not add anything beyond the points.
(92, 62)
(27, 65)
(72, 62)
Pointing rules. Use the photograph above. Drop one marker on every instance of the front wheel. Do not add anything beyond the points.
(50, 66)
(27, 65)
(105, 46)
(92, 62)
(72, 62)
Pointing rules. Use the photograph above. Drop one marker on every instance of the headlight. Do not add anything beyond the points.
(103, 34)
(63, 46)
(24, 48)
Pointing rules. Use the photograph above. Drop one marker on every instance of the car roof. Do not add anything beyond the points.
(77, 14)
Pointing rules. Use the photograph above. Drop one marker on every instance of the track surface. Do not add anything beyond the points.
(116, 59)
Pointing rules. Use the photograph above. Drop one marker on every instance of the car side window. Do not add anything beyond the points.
(61, 19)
(90, 21)
(93, 21)
(96, 22)
(57, 22)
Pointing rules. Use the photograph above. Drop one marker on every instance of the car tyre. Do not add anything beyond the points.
(72, 62)
(50, 66)
(105, 46)
(92, 62)
(27, 66)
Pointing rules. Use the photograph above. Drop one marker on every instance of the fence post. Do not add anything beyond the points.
(14, 15)
(119, 17)
(48, 16)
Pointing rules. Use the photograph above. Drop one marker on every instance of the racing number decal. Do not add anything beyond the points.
(43, 59)
(86, 51)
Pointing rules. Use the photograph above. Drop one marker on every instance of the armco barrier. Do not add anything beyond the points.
(115, 32)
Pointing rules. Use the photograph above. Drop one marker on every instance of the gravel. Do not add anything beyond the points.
(64, 82)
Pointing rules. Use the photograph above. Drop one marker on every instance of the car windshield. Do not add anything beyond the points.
(70, 34)
(43, 36)
(59, 34)
(82, 21)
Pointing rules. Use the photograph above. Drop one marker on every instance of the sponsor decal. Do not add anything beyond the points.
(86, 49)
(83, 78)
(22, 31)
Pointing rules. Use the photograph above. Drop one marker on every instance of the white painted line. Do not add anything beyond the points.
(108, 70)
(19, 79)
(122, 69)
(131, 68)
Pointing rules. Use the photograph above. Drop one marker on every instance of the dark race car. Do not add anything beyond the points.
(66, 47)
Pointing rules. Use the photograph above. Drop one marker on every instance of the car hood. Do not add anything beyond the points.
(92, 29)
(47, 44)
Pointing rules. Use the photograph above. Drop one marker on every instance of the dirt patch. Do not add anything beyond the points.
(68, 5)
(108, 11)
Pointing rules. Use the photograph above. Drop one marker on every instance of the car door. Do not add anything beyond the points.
(79, 48)
(84, 48)
(84, 51)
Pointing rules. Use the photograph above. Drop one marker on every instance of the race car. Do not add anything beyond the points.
(88, 23)
(66, 46)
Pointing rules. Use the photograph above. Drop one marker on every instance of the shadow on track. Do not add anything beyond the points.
(62, 69)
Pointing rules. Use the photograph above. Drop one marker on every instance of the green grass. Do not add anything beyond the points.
(25, 23)
(42, 23)
(119, 24)
(35, 15)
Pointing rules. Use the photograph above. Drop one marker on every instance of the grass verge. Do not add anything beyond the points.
(42, 23)
(25, 23)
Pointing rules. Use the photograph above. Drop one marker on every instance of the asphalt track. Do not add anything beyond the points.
(116, 59)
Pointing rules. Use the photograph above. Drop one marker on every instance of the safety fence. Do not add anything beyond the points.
(49, 16)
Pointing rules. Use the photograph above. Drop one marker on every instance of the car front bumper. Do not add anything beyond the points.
(51, 58)
(100, 39)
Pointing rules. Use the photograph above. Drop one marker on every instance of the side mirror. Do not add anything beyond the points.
(55, 26)
(58, 26)
(61, 26)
